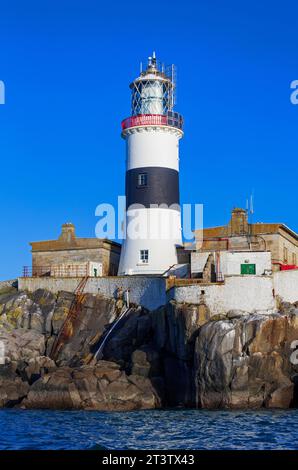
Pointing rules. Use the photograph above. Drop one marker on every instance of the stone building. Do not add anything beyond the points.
(240, 235)
(75, 252)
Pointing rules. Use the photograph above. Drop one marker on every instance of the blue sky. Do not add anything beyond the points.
(67, 66)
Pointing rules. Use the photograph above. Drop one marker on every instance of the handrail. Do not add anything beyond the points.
(66, 270)
(108, 333)
(171, 119)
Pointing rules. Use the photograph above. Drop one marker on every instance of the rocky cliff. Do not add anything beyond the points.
(175, 356)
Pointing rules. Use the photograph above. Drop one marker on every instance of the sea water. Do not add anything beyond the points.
(157, 429)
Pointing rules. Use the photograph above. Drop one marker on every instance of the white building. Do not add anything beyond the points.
(228, 263)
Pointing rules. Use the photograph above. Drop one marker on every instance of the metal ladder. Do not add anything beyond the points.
(72, 315)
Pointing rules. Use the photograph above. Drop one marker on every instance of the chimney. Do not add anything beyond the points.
(68, 233)
(239, 222)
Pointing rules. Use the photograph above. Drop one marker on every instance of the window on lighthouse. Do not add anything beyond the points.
(142, 179)
(144, 256)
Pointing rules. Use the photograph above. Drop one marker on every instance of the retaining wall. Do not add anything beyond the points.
(286, 285)
(247, 293)
(150, 292)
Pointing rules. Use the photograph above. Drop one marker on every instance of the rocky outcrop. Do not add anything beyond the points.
(100, 387)
(245, 362)
(179, 355)
(29, 324)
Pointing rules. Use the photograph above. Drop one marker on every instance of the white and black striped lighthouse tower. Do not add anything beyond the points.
(152, 133)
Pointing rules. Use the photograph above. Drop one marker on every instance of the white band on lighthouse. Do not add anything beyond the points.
(152, 146)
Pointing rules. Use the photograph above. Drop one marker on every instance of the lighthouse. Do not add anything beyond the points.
(153, 220)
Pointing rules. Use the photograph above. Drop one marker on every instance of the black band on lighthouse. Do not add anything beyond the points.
(152, 185)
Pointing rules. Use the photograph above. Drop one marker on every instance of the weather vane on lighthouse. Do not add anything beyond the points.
(152, 133)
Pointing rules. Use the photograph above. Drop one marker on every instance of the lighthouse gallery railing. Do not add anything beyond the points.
(171, 119)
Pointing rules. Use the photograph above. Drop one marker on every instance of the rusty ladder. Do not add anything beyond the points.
(72, 315)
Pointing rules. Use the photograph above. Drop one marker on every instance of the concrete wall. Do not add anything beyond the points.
(286, 285)
(198, 261)
(230, 261)
(248, 293)
(150, 292)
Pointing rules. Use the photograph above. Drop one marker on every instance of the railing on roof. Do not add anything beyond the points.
(65, 270)
(171, 119)
(176, 282)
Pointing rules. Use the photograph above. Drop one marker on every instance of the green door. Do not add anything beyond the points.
(248, 269)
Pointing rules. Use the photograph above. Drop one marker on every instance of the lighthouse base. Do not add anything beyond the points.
(152, 237)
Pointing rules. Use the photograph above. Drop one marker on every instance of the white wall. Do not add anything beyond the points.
(247, 293)
(230, 261)
(152, 147)
(286, 285)
(198, 261)
(157, 230)
(150, 292)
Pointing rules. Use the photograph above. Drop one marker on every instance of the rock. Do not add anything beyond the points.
(286, 308)
(218, 317)
(12, 388)
(281, 397)
(37, 367)
(182, 326)
(102, 387)
(178, 383)
(22, 345)
(294, 312)
(140, 364)
(28, 311)
(144, 328)
(123, 341)
(86, 329)
(245, 364)
(236, 314)
(175, 328)
(179, 355)
(146, 362)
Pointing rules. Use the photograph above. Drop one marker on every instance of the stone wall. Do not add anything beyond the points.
(276, 243)
(149, 292)
(8, 284)
(109, 258)
(247, 293)
(286, 285)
